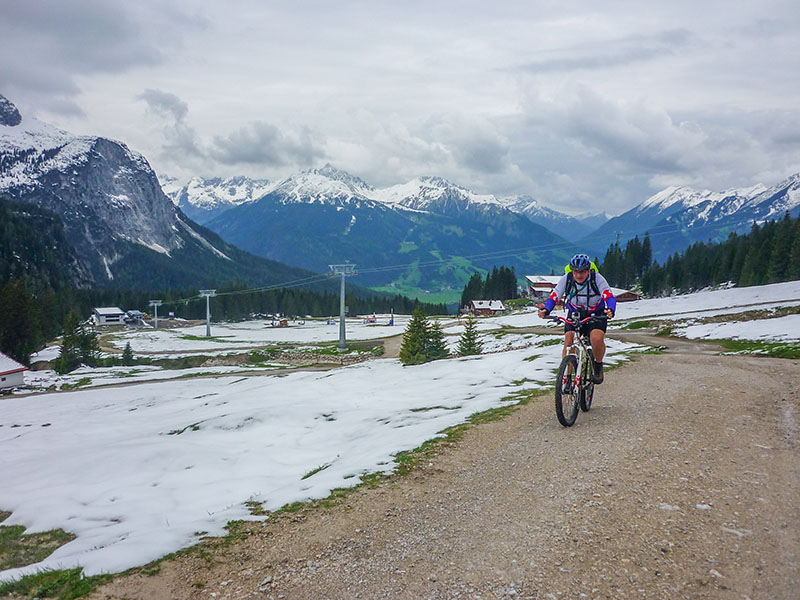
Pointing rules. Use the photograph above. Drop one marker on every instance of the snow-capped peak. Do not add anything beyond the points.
(322, 185)
(420, 192)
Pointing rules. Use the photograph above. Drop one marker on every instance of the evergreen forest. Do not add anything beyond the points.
(769, 253)
(500, 284)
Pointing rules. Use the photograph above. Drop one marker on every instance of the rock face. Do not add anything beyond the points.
(9, 115)
(116, 217)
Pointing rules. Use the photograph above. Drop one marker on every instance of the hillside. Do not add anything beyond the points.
(119, 229)
(426, 235)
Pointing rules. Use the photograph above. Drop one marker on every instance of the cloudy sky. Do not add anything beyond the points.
(587, 107)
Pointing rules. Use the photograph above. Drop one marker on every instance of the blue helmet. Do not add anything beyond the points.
(580, 262)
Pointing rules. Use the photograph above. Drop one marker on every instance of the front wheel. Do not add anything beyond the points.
(567, 391)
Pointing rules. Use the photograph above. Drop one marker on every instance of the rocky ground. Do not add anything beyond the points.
(682, 482)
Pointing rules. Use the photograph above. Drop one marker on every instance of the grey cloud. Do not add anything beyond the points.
(474, 143)
(165, 104)
(49, 45)
(611, 53)
(260, 143)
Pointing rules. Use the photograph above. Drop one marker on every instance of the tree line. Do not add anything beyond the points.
(33, 313)
(500, 284)
(624, 267)
(769, 253)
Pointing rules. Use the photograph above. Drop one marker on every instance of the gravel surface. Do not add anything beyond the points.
(682, 482)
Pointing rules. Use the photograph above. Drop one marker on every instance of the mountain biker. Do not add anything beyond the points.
(586, 293)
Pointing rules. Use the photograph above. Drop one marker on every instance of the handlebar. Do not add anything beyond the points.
(573, 323)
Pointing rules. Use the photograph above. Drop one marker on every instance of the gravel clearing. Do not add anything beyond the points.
(682, 482)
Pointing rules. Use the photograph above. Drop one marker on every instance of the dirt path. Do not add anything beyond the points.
(682, 482)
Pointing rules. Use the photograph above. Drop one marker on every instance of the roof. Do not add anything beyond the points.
(620, 291)
(9, 365)
(488, 304)
(109, 310)
(550, 279)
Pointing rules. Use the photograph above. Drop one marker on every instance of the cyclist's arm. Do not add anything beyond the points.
(557, 292)
(606, 293)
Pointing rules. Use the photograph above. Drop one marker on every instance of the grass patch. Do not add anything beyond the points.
(313, 472)
(18, 549)
(551, 342)
(80, 383)
(761, 348)
(202, 338)
(666, 331)
(639, 325)
(62, 585)
(192, 427)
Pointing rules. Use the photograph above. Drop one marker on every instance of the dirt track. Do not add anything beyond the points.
(682, 482)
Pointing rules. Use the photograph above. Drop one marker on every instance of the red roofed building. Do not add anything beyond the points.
(10, 372)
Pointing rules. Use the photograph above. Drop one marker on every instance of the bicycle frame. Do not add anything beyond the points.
(581, 346)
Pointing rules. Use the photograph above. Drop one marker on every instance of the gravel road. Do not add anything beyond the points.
(682, 482)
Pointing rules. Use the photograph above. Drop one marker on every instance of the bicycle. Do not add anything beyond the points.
(574, 381)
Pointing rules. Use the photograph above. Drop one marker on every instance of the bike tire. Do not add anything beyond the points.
(567, 403)
(587, 395)
(587, 392)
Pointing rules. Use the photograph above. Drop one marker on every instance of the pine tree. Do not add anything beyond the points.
(127, 355)
(436, 347)
(69, 358)
(468, 343)
(415, 340)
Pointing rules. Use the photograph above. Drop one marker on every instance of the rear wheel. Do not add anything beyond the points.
(587, 388)
(585, 400)
(566, 391)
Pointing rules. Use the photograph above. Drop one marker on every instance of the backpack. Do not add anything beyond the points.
(571, 288)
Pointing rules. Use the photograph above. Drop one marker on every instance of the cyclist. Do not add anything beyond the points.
(586, 293)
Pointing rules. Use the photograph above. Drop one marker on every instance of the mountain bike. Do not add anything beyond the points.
(574, 381)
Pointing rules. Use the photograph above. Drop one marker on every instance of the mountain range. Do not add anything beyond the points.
(125, 227)
(121, 228)
(425, 235)
(677, 217)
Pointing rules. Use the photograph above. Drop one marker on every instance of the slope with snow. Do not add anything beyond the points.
(182, 458)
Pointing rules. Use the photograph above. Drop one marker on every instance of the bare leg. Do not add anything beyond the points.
(598, 340)
(569, 338)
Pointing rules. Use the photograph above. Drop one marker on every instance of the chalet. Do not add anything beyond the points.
(486, 307)
(540, 286)
(108, 315)
(625, 295)
(11, 372)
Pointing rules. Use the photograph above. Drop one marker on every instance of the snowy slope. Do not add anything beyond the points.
(202, 199)
(183, 457)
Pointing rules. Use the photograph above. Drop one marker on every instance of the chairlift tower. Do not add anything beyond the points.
(155, 304)
(208, 294)
(343, 270)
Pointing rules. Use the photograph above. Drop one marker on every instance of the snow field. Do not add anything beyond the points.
(779, 329)
(136, 472)
(252, 333)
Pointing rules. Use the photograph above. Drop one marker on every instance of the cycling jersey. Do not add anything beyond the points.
(582, 297)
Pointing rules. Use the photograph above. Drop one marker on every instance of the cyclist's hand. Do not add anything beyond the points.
(609, 313)
(543, 313)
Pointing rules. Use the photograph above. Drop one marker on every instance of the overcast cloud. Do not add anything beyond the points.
(590, 106)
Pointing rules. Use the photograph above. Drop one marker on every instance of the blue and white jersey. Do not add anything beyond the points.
(582, 296)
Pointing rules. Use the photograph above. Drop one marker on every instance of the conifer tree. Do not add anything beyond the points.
(415, 340)
(436, 347)
(127, 355)
(468, 343)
